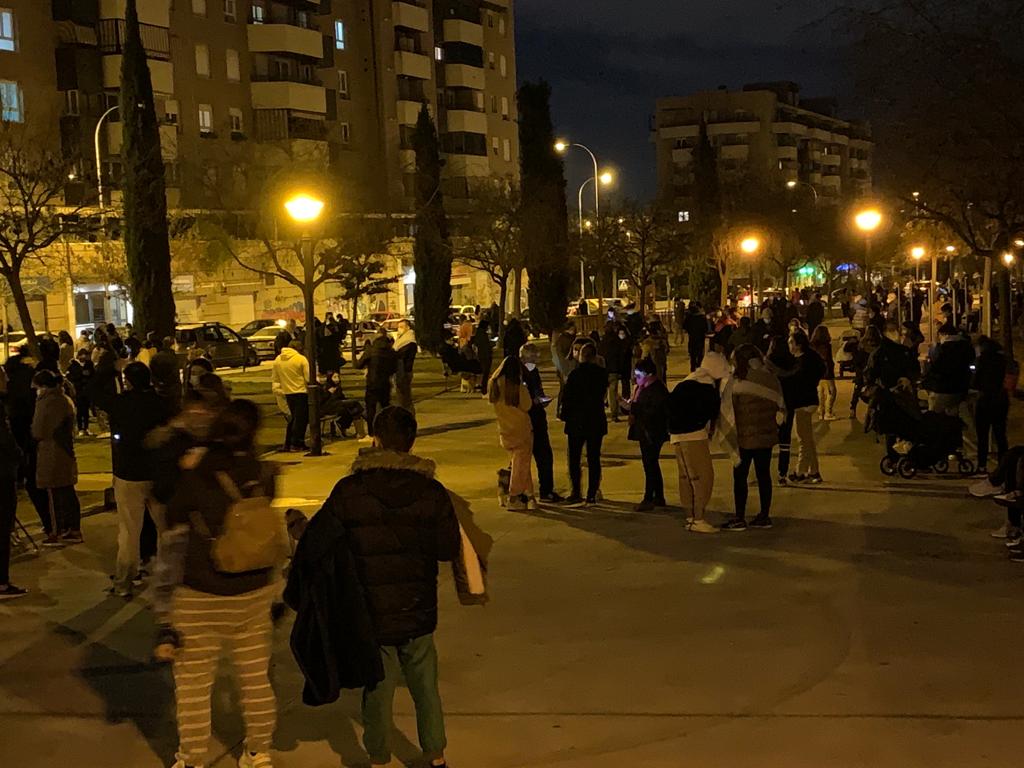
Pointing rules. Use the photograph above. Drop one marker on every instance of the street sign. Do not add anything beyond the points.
(623, 285)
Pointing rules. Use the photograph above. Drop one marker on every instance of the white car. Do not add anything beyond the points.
(14, 340)
(391, 326)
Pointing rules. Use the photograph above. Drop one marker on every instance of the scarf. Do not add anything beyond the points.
(648, 381)
(405, 338)
(727, 422)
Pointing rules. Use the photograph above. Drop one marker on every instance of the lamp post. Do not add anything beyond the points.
(793, 184)
(868, 221)
(750, 245)
(917, 253)
(562, 147)
(605, 178)
(305, 209)
(1008, 260)
(99, 159)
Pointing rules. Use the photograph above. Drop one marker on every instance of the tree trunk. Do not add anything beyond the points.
(502, 299)
(355, 312)
(517, 299)
(21, 304)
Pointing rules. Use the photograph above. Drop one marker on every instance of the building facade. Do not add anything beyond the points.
(337, 84)
(765, 130)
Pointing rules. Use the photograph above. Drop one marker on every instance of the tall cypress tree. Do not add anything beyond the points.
(545, 218)
(707, 215)
(432, 257)
(146, 241)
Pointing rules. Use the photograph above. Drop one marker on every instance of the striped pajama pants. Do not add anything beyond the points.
(207, 623)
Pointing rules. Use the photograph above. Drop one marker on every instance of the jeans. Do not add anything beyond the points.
(696, 350)
(65, 510)
(593, 445)
(543, 456)
(696, 476)
(807, 458)
(785, 438)
(8, 508)
(403, 390)
(375, 398)
(417, 661)
(132, 497)
(990, 415)
(82, 407)
(827, 398)
(613, 395)
(654, 483)
(298, 409)
(762, 461)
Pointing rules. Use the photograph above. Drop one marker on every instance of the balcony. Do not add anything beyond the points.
(168, 140)
(467, 121)
(470, 166)
(410, 15)
(156, 40)
(300, 97)
(793, 129)
(463, 76)
(161, 74)
(285, 38)
(282, 125)
(786, 153)
(833, 160)
(733, 127)
(734, 152)
(682, 155)
(458, 30)
(672, 132)
(155, 12)
(408, 64)
(408, 112)
(832, 181)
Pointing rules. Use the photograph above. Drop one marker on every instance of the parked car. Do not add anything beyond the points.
(250, 328)
(262, 342)
(363, 331)
(391, 326)
(225, 347)
(14, 340)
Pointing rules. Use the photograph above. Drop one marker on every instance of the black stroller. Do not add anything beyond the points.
(915, 441)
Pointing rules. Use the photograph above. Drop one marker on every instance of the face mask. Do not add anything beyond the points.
(622, 336)
(530, 366)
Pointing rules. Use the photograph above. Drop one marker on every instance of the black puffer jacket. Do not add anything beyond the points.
(803, 384)
(380, 363)
(400, 522)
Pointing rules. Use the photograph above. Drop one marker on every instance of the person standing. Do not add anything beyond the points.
(67, 351)
(821, 343)
(755, 397)
(80, 374)
(948, 377)
(512, 402)
(484, 352)
(216, 603)
(380, 363)
(781, 364)
(993, 407)
(693, 410)
(679, 320)
(398, 522)
(616, 351)
(514, 338)
(133, 415)
(543, 456)
(10, 461)
(405, 349)
(648, 425)
(289, 378)
(562, 357)
(810, 369)
(53, 429)
(585, 422)
(815, 314)
(696, 332)
(165, 370)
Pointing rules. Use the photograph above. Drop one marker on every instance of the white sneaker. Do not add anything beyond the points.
(984, 489)
(702, 526)
(255, 760)
(531, 503)
(516, 504)
(1001, 532)
(1009, 498)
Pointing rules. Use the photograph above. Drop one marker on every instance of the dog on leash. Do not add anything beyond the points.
(504, 478)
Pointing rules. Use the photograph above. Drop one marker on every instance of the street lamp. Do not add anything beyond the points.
(562, 147)
(868, 220)
(793, 184)
(1008, 259)
(917, 253)
(605, 178)
(305, 209)
(99, 158)
(750, 245)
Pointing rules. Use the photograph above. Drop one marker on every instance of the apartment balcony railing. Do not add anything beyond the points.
(278, 14)
(285, 77)
(282, 125)
(110, 35)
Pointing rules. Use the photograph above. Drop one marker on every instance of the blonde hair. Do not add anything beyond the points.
(509, 374)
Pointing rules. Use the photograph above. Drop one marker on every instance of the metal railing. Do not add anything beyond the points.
(156, 40)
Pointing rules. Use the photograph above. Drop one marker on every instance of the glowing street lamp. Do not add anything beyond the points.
(562, 147)
(868, 220)
(1008, 259)
(951, 249)
(750, 245)
(305, 210)
(917, 253)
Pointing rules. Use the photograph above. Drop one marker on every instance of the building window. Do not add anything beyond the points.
(71, 103)
(202, 60)
(235, 117)
(501, 26)
(478, 100)
(205, 119)
(494, 104)
(256, 13)
(684, 216)
(7, 39)
(339, 34)
(199, 7)
(233, 66)
(490, 59)
(171, 111)
(438, 53)
(503, 66)
(507, 154)
(10, 102)
(346, 133)
(490, 19)
(504, 107)
(495, 145)
(230, 10)
(343, 83)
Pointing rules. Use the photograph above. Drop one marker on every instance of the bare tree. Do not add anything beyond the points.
(648, 242)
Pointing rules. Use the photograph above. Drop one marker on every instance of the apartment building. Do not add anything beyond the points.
(767, 130)
(333, 83)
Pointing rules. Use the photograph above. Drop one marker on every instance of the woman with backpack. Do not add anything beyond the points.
(232, 543)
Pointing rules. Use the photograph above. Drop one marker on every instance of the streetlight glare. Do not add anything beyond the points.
(917, 252)
(791, 184)
(1019, 242)
(868, 220)
(561, 146)
(606, 178)
(750, 245)
(304, 208)
(950, 249)
(1008, 259)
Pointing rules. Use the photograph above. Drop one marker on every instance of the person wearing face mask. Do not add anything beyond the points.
(543, 456)
(648, 425)
(53, 429)
(165, 369)
(512, 404)
(617, 353)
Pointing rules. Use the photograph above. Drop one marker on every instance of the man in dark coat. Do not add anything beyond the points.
(380, 363)
(399, 522)
(949, 373)
(617, 351)
(697, 332)
(585, 422)
(815, 313)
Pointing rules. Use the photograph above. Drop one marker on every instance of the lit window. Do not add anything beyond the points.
(171, 111)
(7, 41)
(202, 60)
(495, 145)
(339, 34)
(501, 26)
(507, 151)
(233, 66)
(503, 66)
(256, 12)
(438, 53)
(205, 119)
(199, 7)
(490, 59)
(684, 216)
(346, 133)
(343, 83)
(230, 10)
(10, 102)
(235, 116)
(504, 107)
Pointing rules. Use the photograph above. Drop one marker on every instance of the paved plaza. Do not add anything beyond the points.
(877, 625)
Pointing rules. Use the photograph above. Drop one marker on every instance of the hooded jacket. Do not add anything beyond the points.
(380, 363)
(399, 523)
(290, 373)
(53, 427)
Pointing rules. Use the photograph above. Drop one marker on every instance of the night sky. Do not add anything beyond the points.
(609, 60)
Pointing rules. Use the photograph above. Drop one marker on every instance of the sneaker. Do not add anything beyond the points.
(735, 525)
(531, 502)
(516, 504)
(761, 521)
(795, 478)
(552, 498)
(1008, 498)
(814, 479)
(702, 526)
(782, 480)
(255, 760)
(984, 489)
(72, 537)
(1001, 532)
(1013, 537)
(644, 506)
(574, 500)
(591, 500)
(53, 540)
(1017, 556)
(12, 592)
(125, 593)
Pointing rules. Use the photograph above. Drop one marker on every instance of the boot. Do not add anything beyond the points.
(360, 425)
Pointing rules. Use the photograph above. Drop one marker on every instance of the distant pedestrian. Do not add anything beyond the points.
(585, 423)
(289, 378)
(467, 351)
(993, 406)
(696, 332)
(821, 343)
(616, 350)
(11, 458)
(783, 365)
(484, 352)
(815, 313)
(512, 402)
(514, 339)
(810, 369)
(380, 363)
(648, 425)
(79, 375)
(67, 350)
(406, 349)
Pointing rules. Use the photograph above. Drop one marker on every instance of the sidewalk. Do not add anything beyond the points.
(866, 629)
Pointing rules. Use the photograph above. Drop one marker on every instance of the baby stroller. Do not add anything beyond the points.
(849, 342)
(915, 441)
